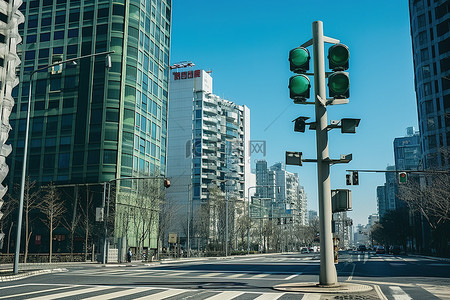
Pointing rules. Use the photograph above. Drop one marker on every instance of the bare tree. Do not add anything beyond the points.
(430, 199)
(53, 209)
(87, 225)
(30, 203)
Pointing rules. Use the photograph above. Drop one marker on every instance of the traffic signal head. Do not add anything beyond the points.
(338, 56)
(300, 124)
(339, 85)
(348, 179)
(402, 177)
(299, 87)
(355, 177)
(299, 60)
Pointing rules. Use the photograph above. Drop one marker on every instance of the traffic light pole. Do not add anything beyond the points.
(327, 269)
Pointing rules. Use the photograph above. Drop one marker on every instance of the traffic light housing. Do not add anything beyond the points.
(339, 85)
(338, 81)
(300, 124)
(348, 179)
(338, 57)
(402, 177)
(299, 60)
(299, 88)
(355, 178)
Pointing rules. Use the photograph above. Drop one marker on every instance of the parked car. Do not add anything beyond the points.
(362, 248)
(380, 250)
(304, 250)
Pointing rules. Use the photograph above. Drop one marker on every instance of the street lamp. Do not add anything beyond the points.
(106, 203)
(25, 150)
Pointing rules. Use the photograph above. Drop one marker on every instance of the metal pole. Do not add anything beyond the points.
(226, 219)
(188, 220)
(328, 274)
(248, 225)
(22, 186)
(104, 222)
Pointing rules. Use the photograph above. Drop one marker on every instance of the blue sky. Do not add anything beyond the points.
(246, 45)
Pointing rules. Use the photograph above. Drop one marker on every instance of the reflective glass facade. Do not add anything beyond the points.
(88, 123)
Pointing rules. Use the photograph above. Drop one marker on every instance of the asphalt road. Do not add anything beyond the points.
(393, 277)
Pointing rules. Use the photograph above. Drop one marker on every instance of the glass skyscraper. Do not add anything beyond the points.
(431, 47)
(90, 124)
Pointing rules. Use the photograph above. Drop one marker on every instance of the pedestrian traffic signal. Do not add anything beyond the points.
(348, 179)
(355, 178)
(299, 60)
(338, 81)
(402, 177)
(338, 57)
(299, 87)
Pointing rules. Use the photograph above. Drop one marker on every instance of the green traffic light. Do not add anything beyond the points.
(299, 60)
(299, 87)
(339, 84)
(338, 56)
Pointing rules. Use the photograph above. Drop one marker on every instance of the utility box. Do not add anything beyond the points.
(341, 200)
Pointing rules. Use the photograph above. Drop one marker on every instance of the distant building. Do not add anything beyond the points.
(407, 153)
(381, 200)
(312, 214)
(430, 45)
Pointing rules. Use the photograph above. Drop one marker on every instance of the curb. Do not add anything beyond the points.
(430, 257)
(30, 274)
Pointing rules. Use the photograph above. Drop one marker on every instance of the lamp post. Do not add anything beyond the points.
(107, 187)
(25, 151)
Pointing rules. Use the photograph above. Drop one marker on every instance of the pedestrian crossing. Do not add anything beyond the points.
(142, 273)
(94, 292)
(37, 291)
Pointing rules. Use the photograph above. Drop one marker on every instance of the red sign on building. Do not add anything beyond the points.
(186, 75)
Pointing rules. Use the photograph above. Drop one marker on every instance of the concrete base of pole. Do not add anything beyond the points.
(312, 287)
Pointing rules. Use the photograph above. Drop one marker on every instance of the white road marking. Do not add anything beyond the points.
(269, 296)
(32, 293)
(399, 294)
(311, 297)
(351, 274)
(163, 295)
(439, 291)
(292, 276)
(225, 295)
(211, 275)
(71, 293)
(127, 292)
(379, 292)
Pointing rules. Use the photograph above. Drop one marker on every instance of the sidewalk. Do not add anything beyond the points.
(33, 269)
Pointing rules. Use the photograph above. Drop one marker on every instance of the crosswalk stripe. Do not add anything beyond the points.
(163, 295)
(71, 293)
(36, 292)
(235, 275)
(225, 295)
(211, 275)
(311, 297)
(269, 296)
(441, 292)
(399, 294)
(118, 294)
(261, 275)
(292, 276)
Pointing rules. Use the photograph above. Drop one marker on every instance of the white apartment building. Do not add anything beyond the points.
(208, 145)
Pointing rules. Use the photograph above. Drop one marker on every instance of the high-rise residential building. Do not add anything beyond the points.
(431, 47)
(208, 141)
(381, 200)
(280, 192)
(90, 124)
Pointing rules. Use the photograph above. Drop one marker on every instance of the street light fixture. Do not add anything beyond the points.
(25, 150)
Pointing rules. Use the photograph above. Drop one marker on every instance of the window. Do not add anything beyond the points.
(45, 37)
(109, 156)
(55, 84)
(58, 35)
(31, 38)
(29, 55)
(71, 33)
(43, 53)
(423, 38)
(63, 161)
